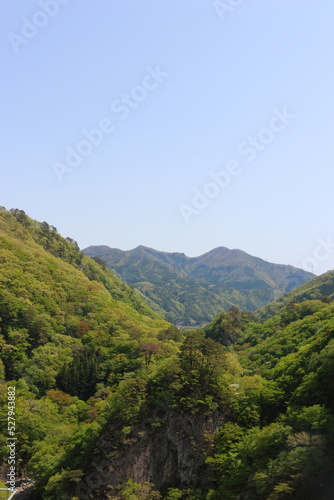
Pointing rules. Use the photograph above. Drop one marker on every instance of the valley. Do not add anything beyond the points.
(113, 402)
(189, 292)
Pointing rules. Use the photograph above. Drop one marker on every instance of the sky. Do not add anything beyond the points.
(180, 125)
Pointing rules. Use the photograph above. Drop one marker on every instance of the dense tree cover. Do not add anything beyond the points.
(190, 291)
(289, 453)
(85, 353)
(319, 288)
(70, 330)
(45, 235)
(50, 309)
(227, 327)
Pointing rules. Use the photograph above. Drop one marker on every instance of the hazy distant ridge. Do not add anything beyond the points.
(192, 290)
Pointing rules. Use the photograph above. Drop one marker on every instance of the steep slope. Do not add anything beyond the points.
(191, 291)
(51, 293)
(319, 288)
(267, 423)
(70, 330)
(114, 403)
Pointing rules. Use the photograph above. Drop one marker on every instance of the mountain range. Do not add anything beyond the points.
(113, 402)
(190, 291)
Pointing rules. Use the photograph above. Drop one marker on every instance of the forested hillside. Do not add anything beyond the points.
(70, 330)
(254, 420)
(190, 291)
(321, 287)
(114, 403)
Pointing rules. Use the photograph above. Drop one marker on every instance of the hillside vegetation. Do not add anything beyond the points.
(259, 412)
(114, 403)
(321, 287)
(191, 291)
(69, 330)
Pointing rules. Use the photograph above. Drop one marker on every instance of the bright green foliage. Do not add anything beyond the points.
(319, 288)
(129, 398)
(65, 322)
(135, 491)
(292, 454)
(202, 356)
(228, 327)
(191, 291)
(265, 463)
(54, 301)
(173, 494)
(63, 485)
(316, 418)
(87, 355)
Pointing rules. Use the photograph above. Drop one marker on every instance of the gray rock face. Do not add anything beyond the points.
(169, 452)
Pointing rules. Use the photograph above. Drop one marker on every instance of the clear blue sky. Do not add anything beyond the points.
(197, 89)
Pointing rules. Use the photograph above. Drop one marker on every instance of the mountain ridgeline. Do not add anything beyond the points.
(254, 421)
(114, 403)
(190, 291)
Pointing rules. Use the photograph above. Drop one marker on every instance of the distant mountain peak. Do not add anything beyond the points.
(192, 290)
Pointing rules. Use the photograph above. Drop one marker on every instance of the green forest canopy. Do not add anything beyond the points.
(84, 352)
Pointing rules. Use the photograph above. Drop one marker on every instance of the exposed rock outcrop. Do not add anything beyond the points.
(166, 451)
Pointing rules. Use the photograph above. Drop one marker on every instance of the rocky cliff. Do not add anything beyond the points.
(167, 451)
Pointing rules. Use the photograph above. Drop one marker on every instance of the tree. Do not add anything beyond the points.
(82, 328)
(148, 349)
(79, 377)
(100, 261)
(171, 333)
(202, 355)
(135, 491)
(21, 216)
